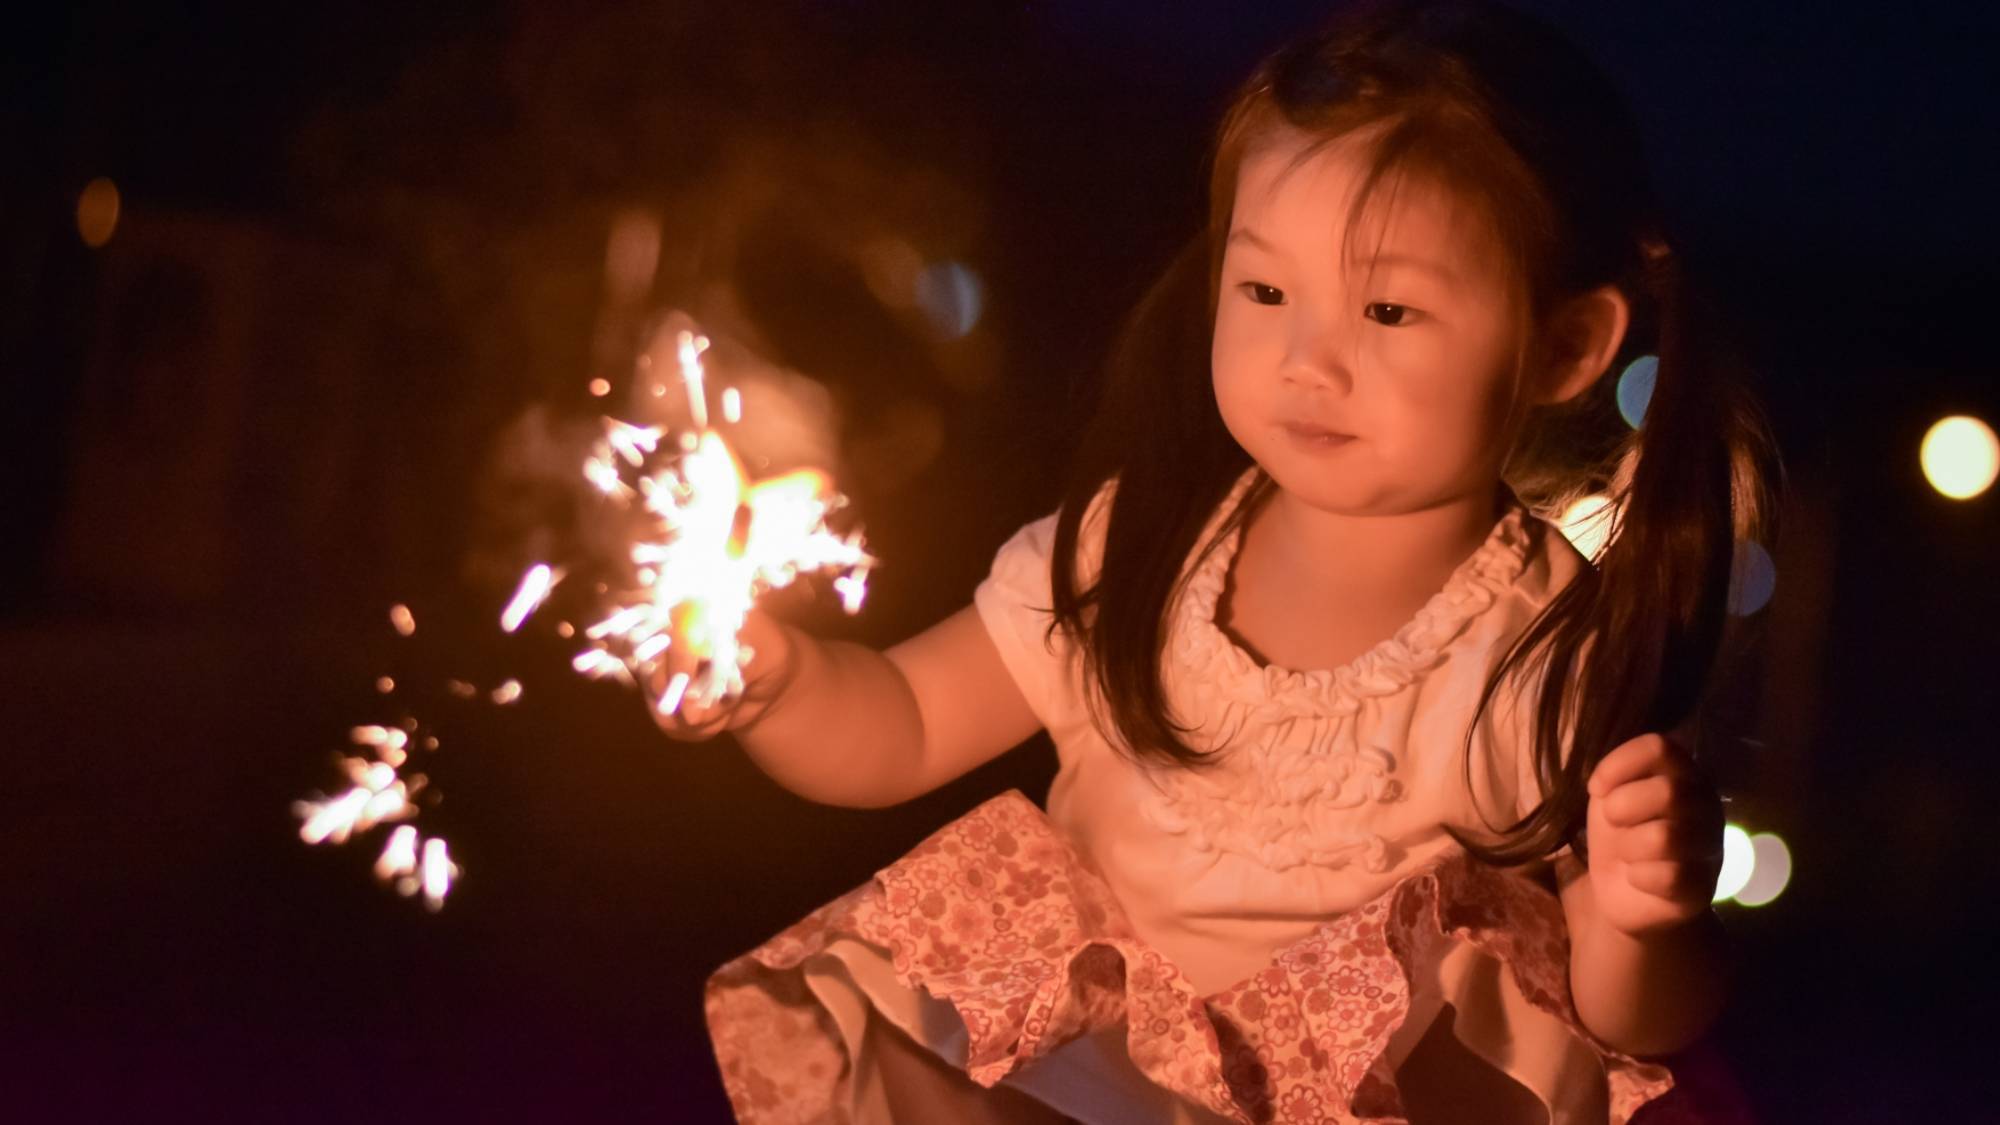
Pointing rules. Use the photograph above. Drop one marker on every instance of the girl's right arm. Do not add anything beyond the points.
(842, 724)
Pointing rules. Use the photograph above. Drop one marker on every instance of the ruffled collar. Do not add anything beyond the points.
(1218, 662)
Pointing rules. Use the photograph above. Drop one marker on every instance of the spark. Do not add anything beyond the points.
(438, 873)
(690, 347)
(399, 855)
(670, 700)
(535, 587)
(403, 620)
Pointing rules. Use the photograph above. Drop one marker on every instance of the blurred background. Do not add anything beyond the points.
(300, 301)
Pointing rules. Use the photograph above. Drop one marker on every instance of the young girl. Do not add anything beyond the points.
(1355, 818)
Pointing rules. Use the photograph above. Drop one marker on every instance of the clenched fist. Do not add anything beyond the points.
(1654, 831)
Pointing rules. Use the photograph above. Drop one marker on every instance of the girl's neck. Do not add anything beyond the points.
(1395, 558)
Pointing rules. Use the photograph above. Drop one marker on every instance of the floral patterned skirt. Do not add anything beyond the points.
(995, 946)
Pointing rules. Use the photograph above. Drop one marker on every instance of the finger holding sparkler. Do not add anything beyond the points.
(764, 678)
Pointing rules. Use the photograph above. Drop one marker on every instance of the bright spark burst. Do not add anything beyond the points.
(383, 789)
(710, 543)
(378, 793)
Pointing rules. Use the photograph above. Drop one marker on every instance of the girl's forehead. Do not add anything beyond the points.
(1295, 189)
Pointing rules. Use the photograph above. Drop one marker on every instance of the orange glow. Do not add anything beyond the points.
(97, 212)
(632, 254)
(891, 267)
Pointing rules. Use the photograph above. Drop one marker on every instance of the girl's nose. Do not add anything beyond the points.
(1315, 358)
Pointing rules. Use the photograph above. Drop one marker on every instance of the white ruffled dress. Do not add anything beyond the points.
(1267, 940)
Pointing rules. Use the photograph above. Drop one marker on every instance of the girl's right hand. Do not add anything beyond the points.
(764, 680)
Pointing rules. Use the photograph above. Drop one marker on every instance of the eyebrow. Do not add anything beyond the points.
(1245, 234)
(1439, 270)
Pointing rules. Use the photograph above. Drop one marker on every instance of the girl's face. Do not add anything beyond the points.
(1362, 391)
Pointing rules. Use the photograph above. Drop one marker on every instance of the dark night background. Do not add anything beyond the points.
(358, 240)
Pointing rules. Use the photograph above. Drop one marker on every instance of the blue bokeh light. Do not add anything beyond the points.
(1753, 578)
(951, 296)
(1635, 388)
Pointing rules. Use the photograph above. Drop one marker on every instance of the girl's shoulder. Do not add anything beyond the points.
(1550, 561)
(1024, 559)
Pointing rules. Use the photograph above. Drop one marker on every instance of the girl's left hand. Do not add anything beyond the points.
(1654, 830)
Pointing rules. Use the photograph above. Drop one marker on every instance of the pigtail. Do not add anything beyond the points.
(1628, 647)
(1158, 434)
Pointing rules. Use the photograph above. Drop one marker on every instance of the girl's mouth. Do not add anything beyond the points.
(1314, 436)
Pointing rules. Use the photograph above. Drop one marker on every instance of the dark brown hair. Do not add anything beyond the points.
(1509, 118)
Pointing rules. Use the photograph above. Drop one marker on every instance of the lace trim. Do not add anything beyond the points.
(1200, 646)
(1282, 797)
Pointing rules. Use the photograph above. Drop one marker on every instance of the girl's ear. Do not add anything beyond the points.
(1583, 337)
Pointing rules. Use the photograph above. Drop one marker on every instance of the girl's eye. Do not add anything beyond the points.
(1263, 294)
(1390, 316)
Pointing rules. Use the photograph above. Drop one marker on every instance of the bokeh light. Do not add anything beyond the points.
(1635, 388)
(97, 212)
(951, 296)
(1739, 860)
(1753, 578)
(1961, 456)
(1771, 872)
(1588, 524)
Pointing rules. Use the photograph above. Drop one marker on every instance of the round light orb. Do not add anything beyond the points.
(1739, 862)
(1635, 388)
(97, 212)
(1753, 578)
(1588, 524)
(1960, 456)
(1773, 870)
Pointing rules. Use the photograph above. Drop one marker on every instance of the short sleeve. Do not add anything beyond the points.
(1016, 605)
(1509, 785)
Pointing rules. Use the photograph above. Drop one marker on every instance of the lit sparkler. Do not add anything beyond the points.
(710, 543)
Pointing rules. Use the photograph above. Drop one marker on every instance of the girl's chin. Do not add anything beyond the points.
(1335, 493)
